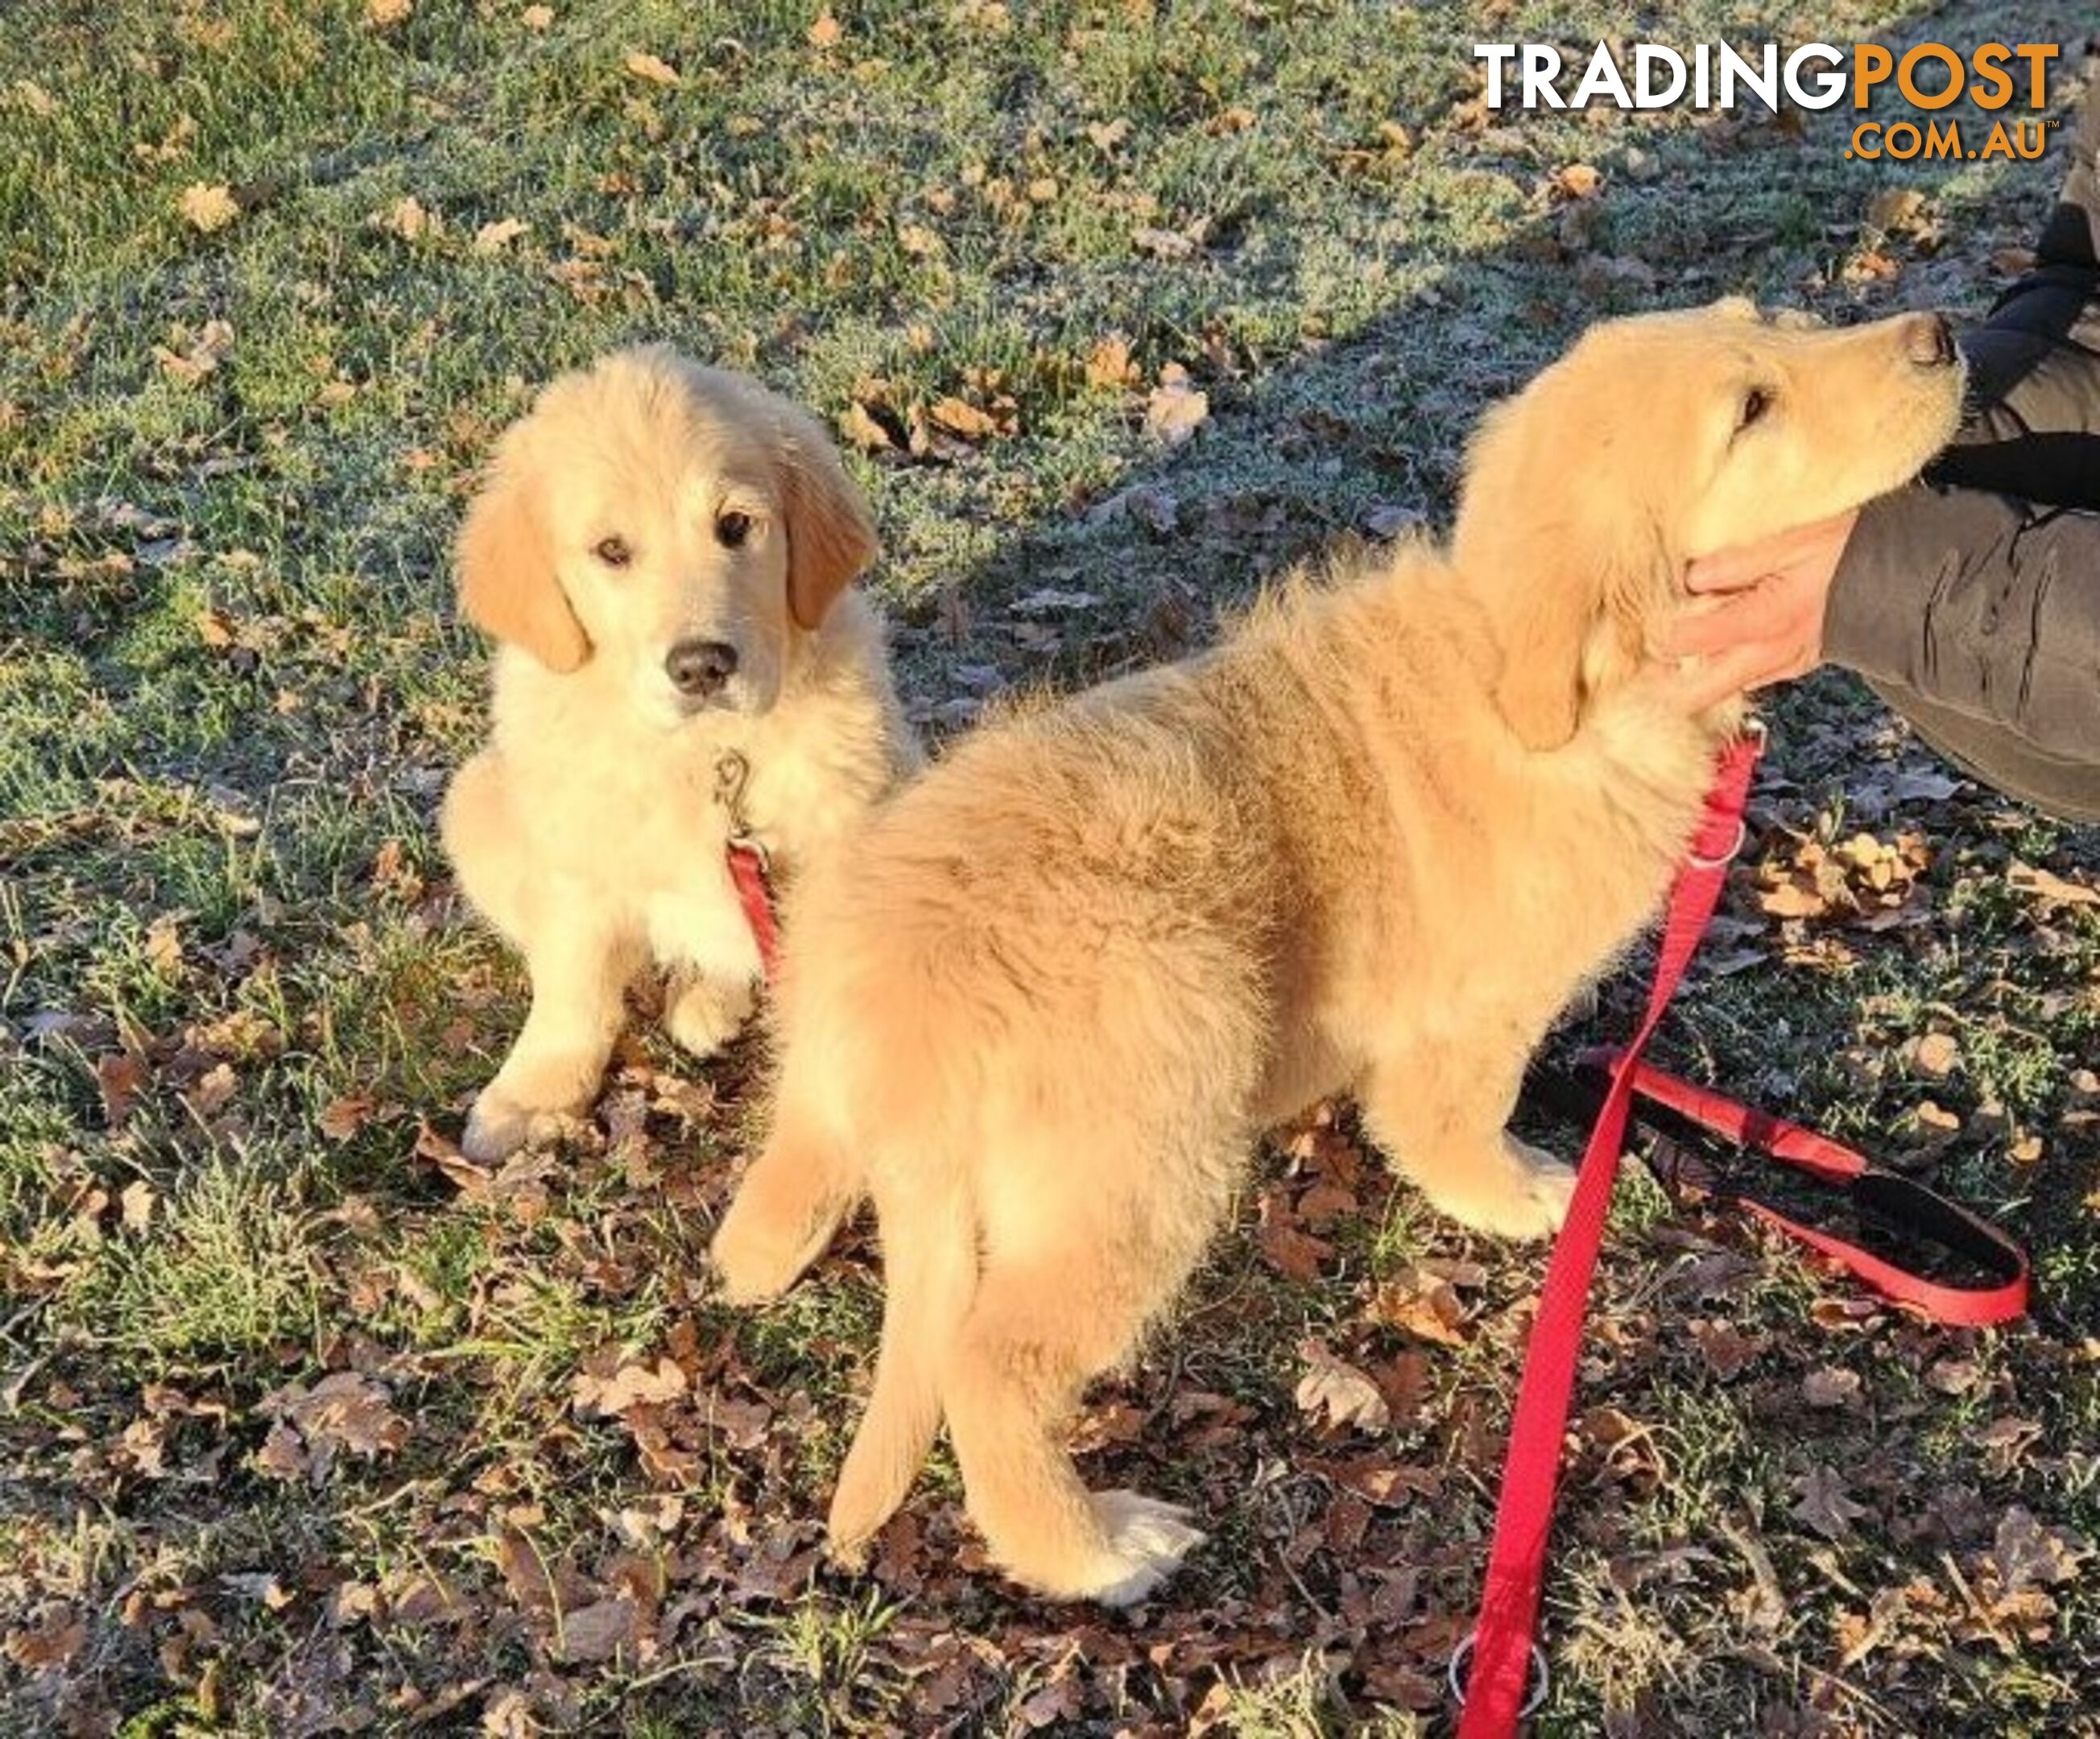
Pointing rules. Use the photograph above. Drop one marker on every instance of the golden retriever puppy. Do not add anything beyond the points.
(1371, 843)
(663, 551)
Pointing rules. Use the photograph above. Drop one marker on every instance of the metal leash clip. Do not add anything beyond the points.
(732, 775)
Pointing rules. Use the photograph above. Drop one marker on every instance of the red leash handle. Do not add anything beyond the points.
(1895, 1197)
(1501, 1645)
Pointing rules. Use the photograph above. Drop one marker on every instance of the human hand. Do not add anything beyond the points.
(1757, 616)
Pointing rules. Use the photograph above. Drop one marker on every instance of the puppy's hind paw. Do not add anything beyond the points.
(1148, 1539)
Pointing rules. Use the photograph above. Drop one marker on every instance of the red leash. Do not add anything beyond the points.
(1500, 1648)
(750, 869)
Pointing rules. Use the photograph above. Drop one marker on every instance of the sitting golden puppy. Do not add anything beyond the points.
(1372, 843)
(663, 551)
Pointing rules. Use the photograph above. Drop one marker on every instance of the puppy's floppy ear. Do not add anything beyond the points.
(830, 538)
(507, 583)
(1557, 551)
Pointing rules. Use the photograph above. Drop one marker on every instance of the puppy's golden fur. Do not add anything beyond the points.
(646, 504)
(1373, 843)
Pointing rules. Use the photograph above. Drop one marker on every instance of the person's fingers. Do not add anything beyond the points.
(1818, 543)
(1751, 615)
(1695, 684)
(1729, 569)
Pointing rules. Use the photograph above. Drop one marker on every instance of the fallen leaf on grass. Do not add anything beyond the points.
(826, 32)
(1293, 1253)
(628, 1385)
(1726, 1348)
(1109, 363)
(1419, 1303)
(342, 1411)
(597, 1632)
(119, 1077)
(1831, 1386)
(1176, 409)
(383, 14)
(342, 1118)
(208, 206)
(650, 69)
(212, 345)
(2049, 887)
(410, 219)
(53, 1643)
(2026, 1553)
(1824, 1506)
(1335, 1393)
(493, 238)
(960, 416)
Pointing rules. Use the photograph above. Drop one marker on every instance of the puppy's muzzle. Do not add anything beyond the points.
(698, 669)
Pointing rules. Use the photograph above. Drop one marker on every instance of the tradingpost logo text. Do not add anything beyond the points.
(1995, 76)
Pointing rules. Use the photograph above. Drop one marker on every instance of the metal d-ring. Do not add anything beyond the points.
(1454, 1676)
(1735, 847)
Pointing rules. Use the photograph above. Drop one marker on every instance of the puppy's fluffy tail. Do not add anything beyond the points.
(930, 1259)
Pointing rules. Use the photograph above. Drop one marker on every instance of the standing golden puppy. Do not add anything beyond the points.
(1372, 842)
(663, 551)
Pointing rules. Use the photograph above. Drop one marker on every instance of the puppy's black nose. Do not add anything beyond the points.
(698, 668)
(1929, 341)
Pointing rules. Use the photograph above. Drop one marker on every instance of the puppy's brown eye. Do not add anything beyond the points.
(1756, 402)
(613, 551)
(731, 528)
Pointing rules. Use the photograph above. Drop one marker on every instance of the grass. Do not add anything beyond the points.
(239, 1011)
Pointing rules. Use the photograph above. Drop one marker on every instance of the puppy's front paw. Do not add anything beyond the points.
(1518, 1192)
(704, 1014)
(500, 1125)
(1148, 1539)
(756, 1261)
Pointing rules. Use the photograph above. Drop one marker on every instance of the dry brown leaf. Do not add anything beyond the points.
(826, 32)
(344, 1410)
(2026, 1553)
(383, 14)
(1293, 1253)
(214, 1091)
(600, 1630)
(1726, 1348)
(1831, 1386)
(1175, 409)
(410, 219)
(2049, 887)
(960, 416)
(493, 238)
(342, 1118)
(1823, 1505)
(650, 69)
(53, 1643)
(864, 431)
(119, 1076)
(631, 1385)
(1335, 1393)
(208, 206)
(536, 17)
(212, 345)
(1109, 363)
(1419, 1303)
